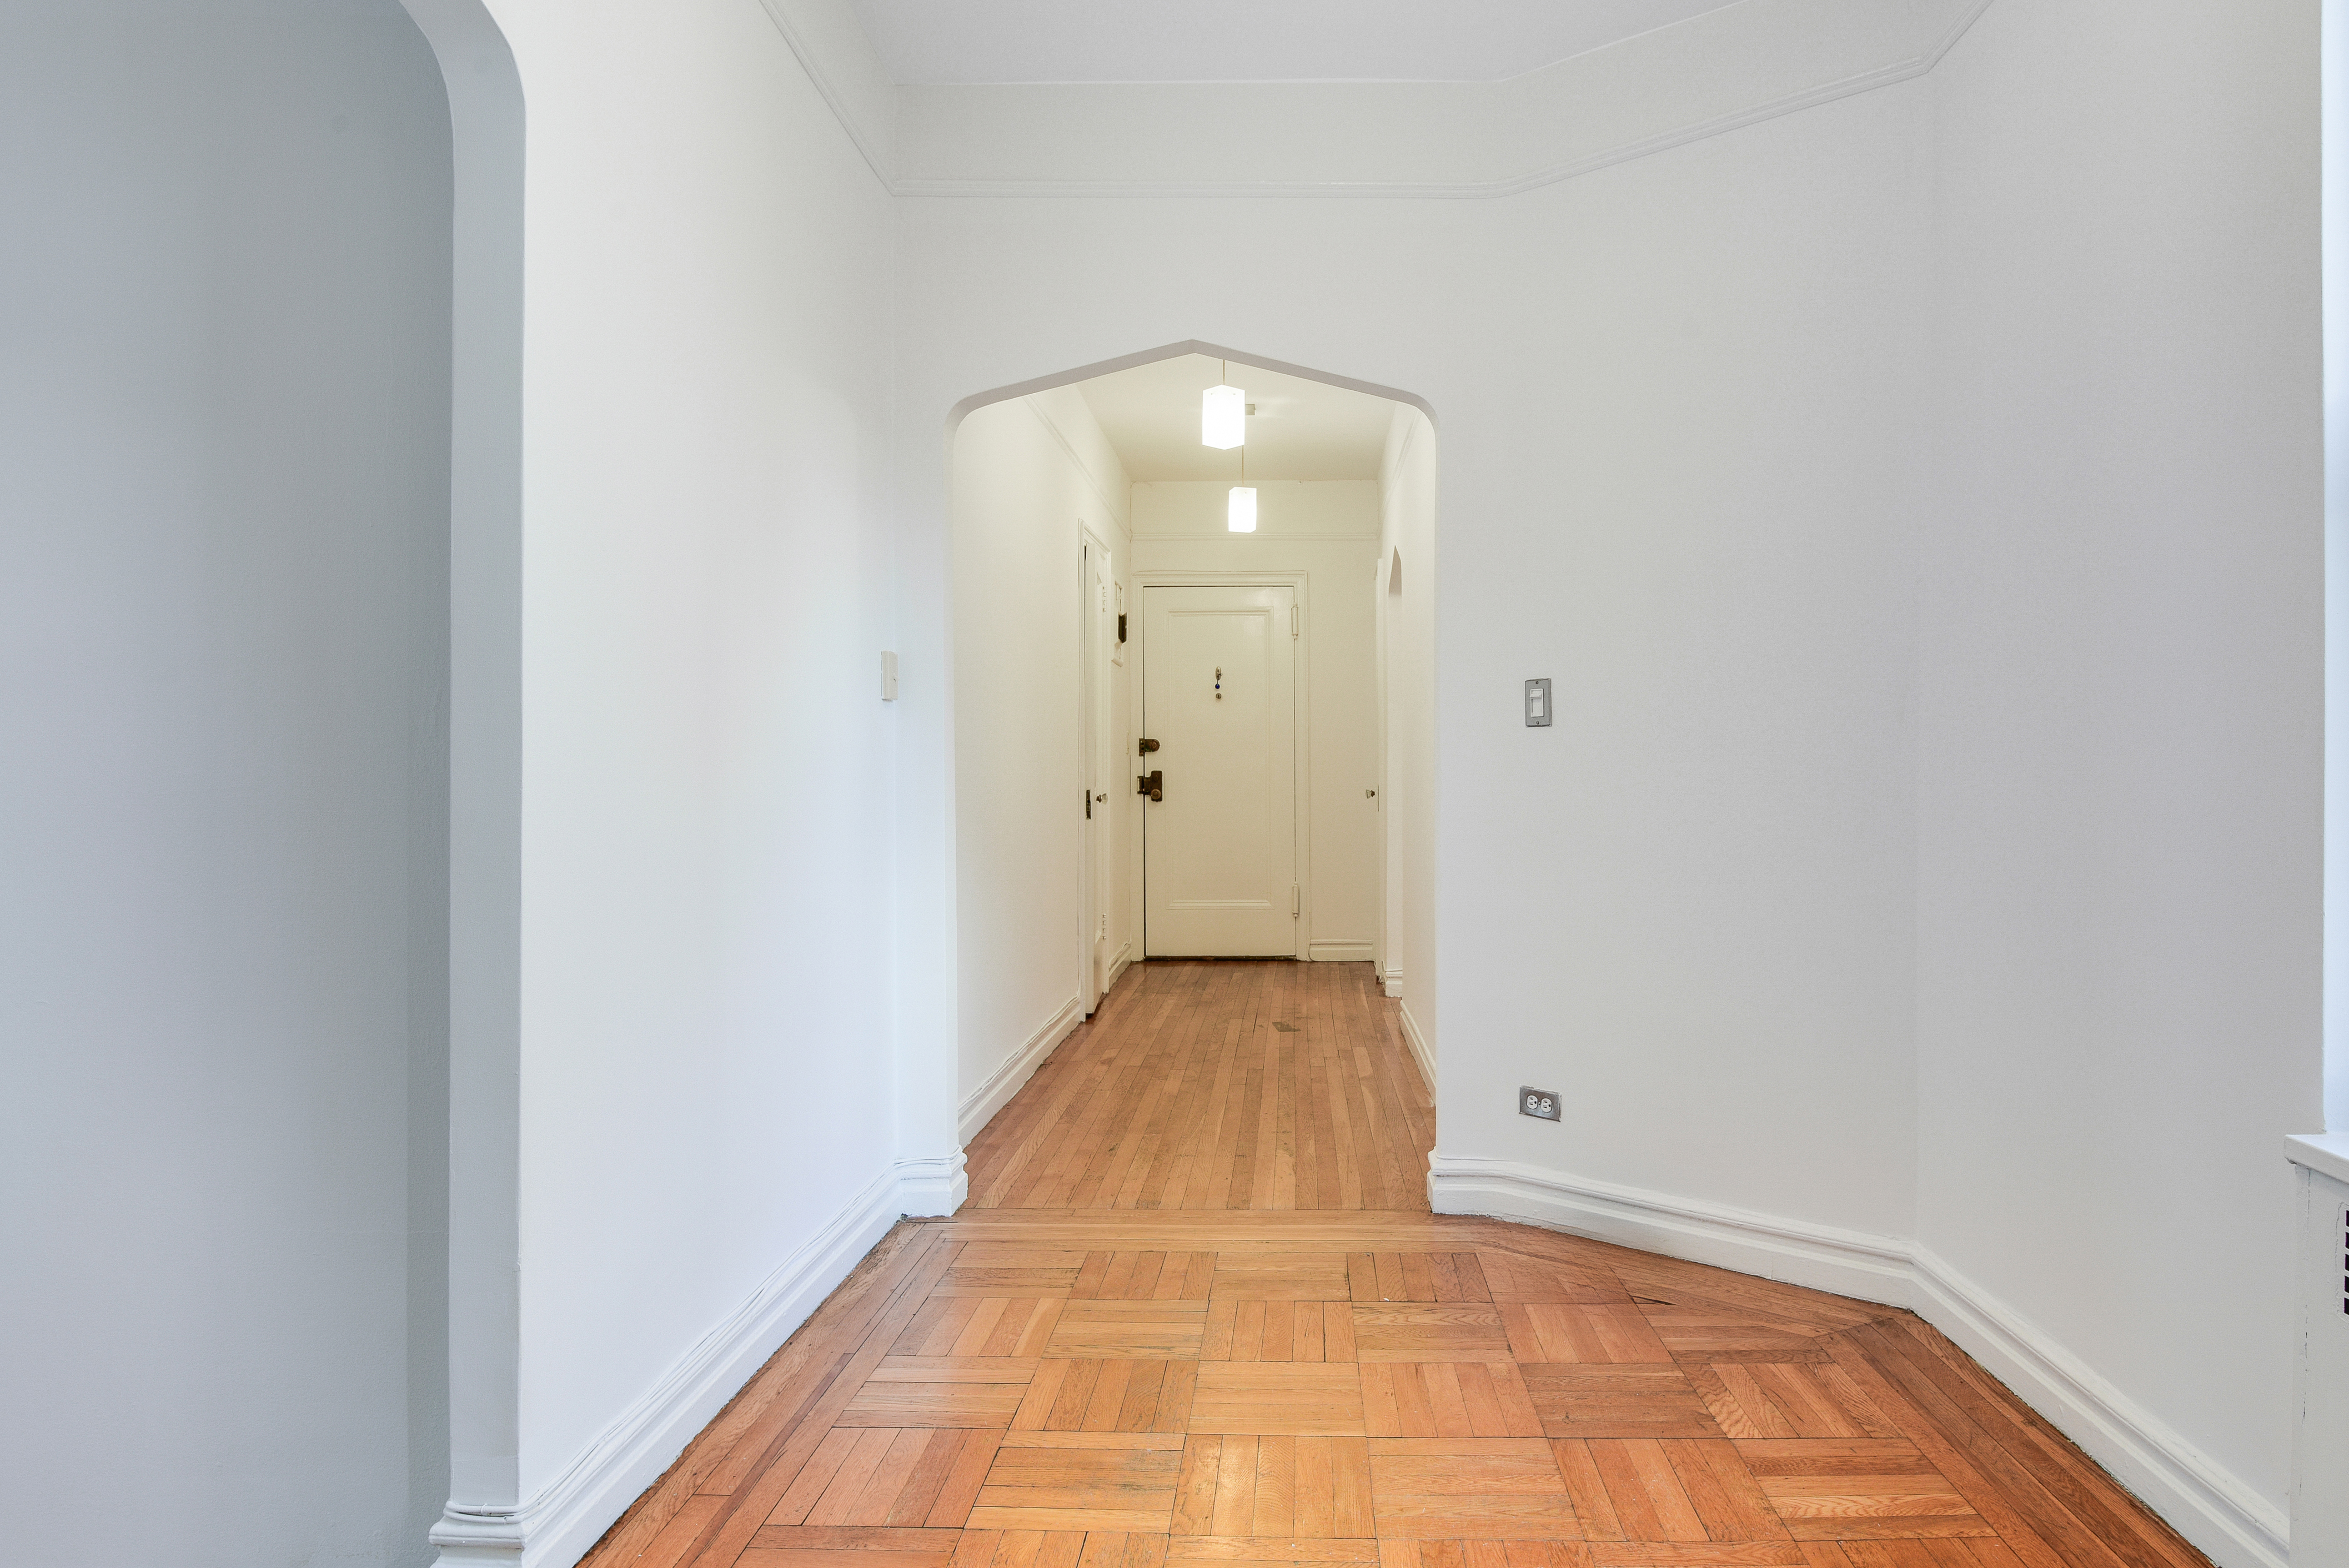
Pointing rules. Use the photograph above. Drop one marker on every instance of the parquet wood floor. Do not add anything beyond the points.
(1196, 1314)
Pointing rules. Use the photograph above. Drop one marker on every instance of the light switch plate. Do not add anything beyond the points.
(1538, 709)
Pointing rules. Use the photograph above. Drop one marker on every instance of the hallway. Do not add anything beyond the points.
(1197, 1310)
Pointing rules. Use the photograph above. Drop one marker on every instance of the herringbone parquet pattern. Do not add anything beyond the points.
(1195, 1315)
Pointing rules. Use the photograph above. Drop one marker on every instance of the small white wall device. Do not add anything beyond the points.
(888, 676)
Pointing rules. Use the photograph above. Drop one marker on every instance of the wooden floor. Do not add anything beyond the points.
(1219, 1085)
(1196, 1312)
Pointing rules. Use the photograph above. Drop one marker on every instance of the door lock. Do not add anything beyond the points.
(1148, 746)
(1152, 784)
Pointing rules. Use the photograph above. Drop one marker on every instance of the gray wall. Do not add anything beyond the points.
(223, 545)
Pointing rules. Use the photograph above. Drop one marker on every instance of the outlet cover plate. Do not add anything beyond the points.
(1541, 1102)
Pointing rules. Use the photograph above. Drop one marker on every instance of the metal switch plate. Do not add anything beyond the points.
(1536, 703)
(1541, 1102)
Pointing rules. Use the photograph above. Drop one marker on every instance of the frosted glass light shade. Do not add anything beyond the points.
(1223, 418)
(1241, 516)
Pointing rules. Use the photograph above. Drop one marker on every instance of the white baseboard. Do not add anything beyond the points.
(2207, 1503)
(566, 1518)
(1392, 983)
(1120, 965)
(1339, 952)
(1005, 1081)
(935, 1185)
(1848, 1262)
(1426, 1060)
(2234, 1526)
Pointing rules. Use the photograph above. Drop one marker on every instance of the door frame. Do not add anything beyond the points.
(1096, 720)
(1299, 581)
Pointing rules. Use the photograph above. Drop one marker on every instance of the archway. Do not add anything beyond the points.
(484, 1517)
(1034, 473)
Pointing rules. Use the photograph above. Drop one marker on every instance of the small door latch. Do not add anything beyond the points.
(1148, 746)
(1152, 784)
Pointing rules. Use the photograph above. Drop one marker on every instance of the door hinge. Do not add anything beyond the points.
(1296, 619)
(1295, 900)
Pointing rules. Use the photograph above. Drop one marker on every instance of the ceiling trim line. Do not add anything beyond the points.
(874, 150)
(1630, 151)
(1035, 405)
(812, 39)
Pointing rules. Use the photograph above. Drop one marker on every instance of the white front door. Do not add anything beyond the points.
(1219, 696)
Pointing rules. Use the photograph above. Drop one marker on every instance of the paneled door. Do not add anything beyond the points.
(1220, 696)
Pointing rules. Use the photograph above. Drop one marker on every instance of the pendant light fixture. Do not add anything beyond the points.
(1223, 418)
(1239, 515)
(1222, 425)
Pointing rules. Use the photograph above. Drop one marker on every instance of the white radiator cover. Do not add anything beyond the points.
(2320, 1483)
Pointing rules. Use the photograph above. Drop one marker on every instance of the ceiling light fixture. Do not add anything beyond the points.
(1223, 417)
(1239, 513)
(1222, 425)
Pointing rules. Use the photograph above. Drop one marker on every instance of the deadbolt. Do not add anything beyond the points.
(1152, 784)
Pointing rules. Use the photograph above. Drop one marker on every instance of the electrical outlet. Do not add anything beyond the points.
(1541, 1102)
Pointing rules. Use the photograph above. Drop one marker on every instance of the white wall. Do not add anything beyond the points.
(224, 595)
(1405, 600)
(2119, 744)
(706, 922)
(1029, 472)
(1676, 406)
(1328, 531)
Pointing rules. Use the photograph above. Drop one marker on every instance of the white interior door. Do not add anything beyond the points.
(1219, 696)
(1093, 864)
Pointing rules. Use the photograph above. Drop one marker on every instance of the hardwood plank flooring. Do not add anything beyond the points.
(1197, 1310)
(1219, 1085)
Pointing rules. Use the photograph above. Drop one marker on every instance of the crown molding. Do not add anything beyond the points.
(1739, 65)
(1121, 512)
(1746, 63)
(846, 73)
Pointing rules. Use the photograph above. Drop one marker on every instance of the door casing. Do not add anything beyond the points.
(1096, 766)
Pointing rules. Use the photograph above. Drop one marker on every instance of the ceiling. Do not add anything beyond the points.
(1300, 430)
(1031, 41)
